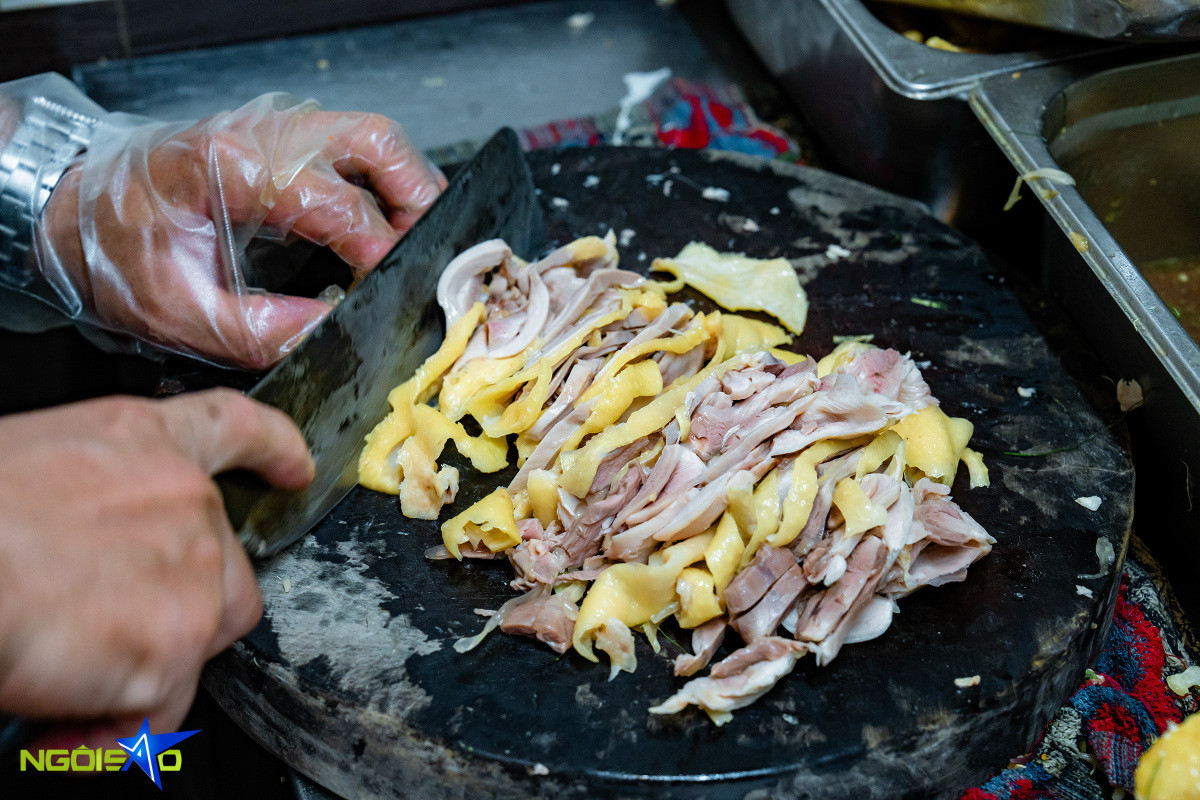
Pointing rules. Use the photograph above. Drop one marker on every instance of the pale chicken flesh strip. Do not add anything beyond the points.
(685, 468)
(538, 613)
(550, 618)
(944, 540)
(461, 283)
(536, 562)
(577, 379)
(534, 320)
(656, 481)
(822, 613)
(892, 375)
(765, 616)
(837, 410)
(737, 685)
(705, 641)
(829, 474)
(586, 297)
(828, 617)
(825, 563)
(547, 449)
(748, 586)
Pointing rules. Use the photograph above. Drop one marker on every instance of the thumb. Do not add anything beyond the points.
(220, 429)
(273, 323)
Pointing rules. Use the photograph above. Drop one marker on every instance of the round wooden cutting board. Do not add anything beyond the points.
(351, 677)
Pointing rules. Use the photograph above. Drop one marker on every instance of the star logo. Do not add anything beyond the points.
(144, 747)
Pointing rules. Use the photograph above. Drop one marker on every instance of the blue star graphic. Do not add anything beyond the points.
(144, 747)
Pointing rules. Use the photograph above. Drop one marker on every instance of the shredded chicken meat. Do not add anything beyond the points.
(661, 474)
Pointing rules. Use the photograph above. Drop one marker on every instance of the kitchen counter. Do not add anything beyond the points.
(446, 79)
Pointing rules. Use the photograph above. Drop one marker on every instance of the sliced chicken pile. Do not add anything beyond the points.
(675, 464)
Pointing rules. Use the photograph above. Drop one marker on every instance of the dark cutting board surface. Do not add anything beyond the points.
(351, 676)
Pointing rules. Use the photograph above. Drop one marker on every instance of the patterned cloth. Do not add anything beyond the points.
(680, 113)
(1091, 749)
(696, 115)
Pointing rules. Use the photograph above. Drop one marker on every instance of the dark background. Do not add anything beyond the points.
(219, 762)
(58, 37)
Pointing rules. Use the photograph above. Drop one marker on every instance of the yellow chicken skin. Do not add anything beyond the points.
(1170, 769)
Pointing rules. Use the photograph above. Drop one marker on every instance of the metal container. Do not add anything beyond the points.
(1128, 135)
(1105, 19)
(891, 112)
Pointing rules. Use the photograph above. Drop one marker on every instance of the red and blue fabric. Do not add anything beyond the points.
(1095, 741)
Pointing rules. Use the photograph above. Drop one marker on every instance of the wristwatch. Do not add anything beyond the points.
(46, 141)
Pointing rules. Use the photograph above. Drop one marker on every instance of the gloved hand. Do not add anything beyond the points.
(147, 235)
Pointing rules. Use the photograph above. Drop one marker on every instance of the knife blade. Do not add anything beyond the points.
(334, 385)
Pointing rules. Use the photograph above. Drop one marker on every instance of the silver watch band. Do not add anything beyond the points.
(46, 141)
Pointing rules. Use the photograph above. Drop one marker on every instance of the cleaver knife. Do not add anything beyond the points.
(334, 385)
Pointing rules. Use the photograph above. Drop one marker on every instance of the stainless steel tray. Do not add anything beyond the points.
(1065, 108)
(891, 112)
(1052, 117)
(1104, 19)
(926, 73)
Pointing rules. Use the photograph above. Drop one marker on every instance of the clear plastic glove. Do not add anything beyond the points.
(121, 574)
(147, 236)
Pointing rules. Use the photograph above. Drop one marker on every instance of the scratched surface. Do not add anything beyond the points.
(351, 676)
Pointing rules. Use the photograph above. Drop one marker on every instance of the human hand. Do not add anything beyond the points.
(121, 575)
(148, 236)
